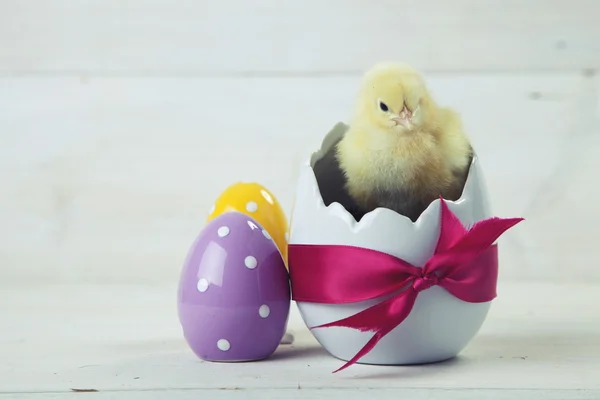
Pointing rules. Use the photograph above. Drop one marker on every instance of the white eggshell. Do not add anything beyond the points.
(440, 325)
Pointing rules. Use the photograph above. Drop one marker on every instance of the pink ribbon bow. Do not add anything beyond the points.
(465, 263)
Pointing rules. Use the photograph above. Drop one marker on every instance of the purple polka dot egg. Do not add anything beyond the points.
(234, 292)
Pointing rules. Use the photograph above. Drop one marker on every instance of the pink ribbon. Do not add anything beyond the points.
(465, 263)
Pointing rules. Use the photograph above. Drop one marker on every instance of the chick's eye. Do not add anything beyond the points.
(383, 106)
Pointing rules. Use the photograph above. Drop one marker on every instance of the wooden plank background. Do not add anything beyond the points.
(122, 120)
(295, 37)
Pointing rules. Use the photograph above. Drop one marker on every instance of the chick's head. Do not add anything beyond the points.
(394, 98)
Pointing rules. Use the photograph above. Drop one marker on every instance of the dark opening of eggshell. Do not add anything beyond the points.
(329, 176)
(331, 180)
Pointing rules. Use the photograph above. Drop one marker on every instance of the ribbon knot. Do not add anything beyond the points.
(424, 282)
(464, 262)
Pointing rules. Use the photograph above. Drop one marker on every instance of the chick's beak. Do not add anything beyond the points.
(404, 119)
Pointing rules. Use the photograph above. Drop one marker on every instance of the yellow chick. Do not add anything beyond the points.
(402, 150)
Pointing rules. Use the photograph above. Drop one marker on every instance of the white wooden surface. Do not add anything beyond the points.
(122, 120)
(110, 179)
(540, 342)
(287, 36)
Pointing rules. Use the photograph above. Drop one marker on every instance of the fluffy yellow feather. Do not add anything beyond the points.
(402, 150)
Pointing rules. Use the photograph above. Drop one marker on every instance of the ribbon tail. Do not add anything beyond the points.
(367, 348)
(476, 241)
(485, 233)
(382, 318)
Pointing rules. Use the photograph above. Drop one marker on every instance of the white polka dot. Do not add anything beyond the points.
(223, 231)
(267, 196)
(266, 234)
(202, 285)
(264, 311)
(287, 237)
(223, 344)
(250, 262)
(251, 206)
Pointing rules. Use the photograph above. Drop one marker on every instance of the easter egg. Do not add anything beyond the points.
(440, 325)
(234, 292)
(258, 202)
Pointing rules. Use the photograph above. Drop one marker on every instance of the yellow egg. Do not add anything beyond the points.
(258, 202)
